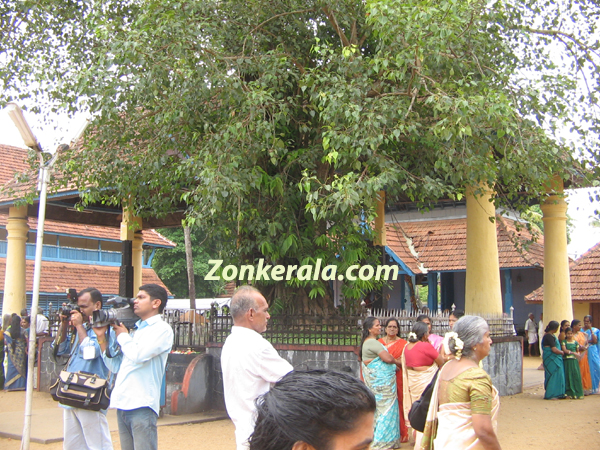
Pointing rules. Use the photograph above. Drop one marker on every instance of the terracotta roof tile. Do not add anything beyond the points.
(152, 237)
(585, 279)
(57, 277)
(14, 162)
(441, 245)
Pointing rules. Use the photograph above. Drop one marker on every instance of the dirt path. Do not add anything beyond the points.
(526, 422)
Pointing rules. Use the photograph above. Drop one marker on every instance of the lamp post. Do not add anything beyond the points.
(16, 115)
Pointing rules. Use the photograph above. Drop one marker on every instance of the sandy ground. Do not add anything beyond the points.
(526, 422)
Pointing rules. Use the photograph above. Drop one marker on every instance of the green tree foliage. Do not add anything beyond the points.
(170, 265)
(276, 122)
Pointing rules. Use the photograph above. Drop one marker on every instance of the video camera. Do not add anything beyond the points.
(65, 310)
(121, 312)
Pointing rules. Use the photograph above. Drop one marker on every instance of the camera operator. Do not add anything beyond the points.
(140, 369)
(84, 429)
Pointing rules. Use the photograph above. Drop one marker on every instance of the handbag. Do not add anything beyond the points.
(81, 390)
(417, 415)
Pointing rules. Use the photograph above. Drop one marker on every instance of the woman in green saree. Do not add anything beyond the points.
(554, 372)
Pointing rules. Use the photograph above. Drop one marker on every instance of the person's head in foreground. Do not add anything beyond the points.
(314, 410)
(473, 341)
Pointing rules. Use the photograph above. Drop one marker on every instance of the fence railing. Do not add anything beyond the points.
(297, 329)
(192, 329)
(500, 324)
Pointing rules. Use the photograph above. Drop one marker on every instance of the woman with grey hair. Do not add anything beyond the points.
(464, 403)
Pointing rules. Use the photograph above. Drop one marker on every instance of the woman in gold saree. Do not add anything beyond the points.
(464, 404)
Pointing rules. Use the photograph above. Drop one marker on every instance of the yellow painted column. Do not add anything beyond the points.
(557, 283)
(483, 293)
(127, 274)
(137, 255)
(380, 220)
(14, 278)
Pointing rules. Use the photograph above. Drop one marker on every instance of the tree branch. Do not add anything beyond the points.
(336, 26)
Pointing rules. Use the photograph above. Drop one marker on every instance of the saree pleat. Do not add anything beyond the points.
(395, 348)
(593, 359)
(380, 378)
(16, 368)
(584, 366)
(554, 373)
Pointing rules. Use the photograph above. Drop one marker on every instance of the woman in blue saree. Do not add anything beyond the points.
(554, 371)
(379, 372)
(593, 338)
(16, 352)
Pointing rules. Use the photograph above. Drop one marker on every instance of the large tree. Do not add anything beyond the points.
(276, 122)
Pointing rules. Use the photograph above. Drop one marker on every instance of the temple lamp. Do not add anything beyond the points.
(16, 115)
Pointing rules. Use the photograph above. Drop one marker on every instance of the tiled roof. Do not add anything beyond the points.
(441, 245)
(585, 279)
(13, 161)
(151, 237)
(57, 277)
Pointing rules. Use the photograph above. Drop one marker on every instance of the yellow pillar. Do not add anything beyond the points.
(14, 278)
(137, 254)
(380, 220)
(128, 272)
(483, 293)
(557, 284)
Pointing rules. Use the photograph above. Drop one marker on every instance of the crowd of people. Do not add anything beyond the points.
(14, 347)
(464, 404)
(571, 359)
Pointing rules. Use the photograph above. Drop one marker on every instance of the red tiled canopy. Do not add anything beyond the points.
(584, 276)
(58, 277)
(441, 245)
(91, 231)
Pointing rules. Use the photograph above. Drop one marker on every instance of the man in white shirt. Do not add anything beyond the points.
(140, 369)
(249, 362)
(531, 331)
(42, 323)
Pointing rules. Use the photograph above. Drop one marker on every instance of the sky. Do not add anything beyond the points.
(61, 130)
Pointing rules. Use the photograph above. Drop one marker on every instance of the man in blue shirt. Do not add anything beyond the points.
(84, 429)
(140, 369)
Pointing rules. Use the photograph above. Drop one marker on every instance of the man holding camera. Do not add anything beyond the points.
(84, 429)
(140, 369)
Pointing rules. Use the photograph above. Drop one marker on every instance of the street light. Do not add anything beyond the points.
(16, 115)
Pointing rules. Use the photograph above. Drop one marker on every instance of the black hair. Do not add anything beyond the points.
(367, 325)
(15, 329)
(552, 326)
(309, 406)
(422, 317)
(575, 322)
(392, 319)
(420, 329)
(24, 312)
(95, 295)
(568, 329)
(563, 324)
(458, 313)
(156, 292)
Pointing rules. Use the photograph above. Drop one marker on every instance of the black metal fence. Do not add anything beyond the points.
(297, 329)
(195, 328)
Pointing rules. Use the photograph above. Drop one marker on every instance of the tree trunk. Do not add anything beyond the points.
(189, 260)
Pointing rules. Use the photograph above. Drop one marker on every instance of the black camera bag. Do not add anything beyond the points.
(81, 390)
(417, 416)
